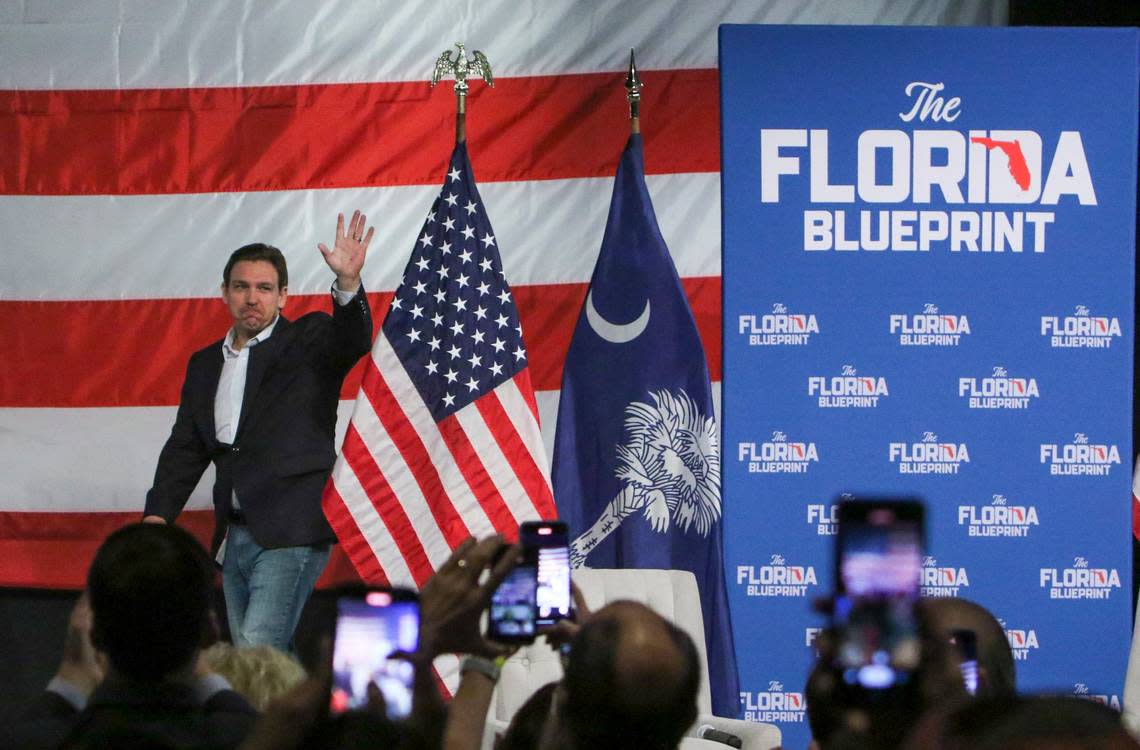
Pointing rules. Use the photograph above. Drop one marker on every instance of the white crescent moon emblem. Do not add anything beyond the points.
(612, 332)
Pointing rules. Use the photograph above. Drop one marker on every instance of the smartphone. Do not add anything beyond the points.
(965, 645)
(371, 624)
(879, 549)
(536, 593)
(548, 544)
(511, 616)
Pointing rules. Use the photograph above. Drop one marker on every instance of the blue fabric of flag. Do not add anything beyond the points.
(636, 468)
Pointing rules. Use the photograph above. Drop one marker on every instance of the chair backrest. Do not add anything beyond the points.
(671, 593)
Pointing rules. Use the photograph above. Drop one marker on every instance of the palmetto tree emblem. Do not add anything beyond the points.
(670, 464)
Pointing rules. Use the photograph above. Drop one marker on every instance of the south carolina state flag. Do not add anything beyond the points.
(637, 451)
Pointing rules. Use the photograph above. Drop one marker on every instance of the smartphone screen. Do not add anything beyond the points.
(879, 551)
(370, 625)
(511, 617)
(965, 644)
(546, 542)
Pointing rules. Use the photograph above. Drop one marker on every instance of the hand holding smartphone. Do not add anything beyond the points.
(372, 624)
(536, 593)
(878, 556)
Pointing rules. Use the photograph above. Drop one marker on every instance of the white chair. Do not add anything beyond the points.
(671, 593)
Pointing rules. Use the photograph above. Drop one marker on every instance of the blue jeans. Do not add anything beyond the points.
(266, 589)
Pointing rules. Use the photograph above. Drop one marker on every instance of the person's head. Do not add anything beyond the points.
(361, 730)
(631, 679)
(527, 725)
(255, 286)
(1024, 723)
(151, 587)
(997, 675)
(259, 673)
(847, 717)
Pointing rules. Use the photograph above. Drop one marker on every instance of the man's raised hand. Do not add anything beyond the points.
(346, 257)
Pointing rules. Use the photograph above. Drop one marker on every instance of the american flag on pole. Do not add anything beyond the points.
(444, 440)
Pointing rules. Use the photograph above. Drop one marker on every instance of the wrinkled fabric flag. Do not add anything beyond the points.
(444, 440)
(636, 453)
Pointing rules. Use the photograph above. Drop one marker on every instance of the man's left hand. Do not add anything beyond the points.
(346, 257)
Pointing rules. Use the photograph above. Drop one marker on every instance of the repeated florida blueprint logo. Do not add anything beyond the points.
(961, 228)
(778, 455)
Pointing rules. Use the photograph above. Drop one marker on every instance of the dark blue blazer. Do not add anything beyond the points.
(126, 715)
(283, 450)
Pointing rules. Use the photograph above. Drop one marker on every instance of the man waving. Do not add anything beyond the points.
(260, 404)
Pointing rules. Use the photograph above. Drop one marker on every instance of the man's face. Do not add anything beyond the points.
(253, 296)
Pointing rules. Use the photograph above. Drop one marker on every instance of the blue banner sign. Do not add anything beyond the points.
(929, 241)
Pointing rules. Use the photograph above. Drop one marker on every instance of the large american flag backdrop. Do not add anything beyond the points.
(142, 142)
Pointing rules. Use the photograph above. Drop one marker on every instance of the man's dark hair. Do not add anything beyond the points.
(1033, 723)
(363, 730)
(151, 587)
(258, 251)
(889, 714)
(649, 706)
(995, 657)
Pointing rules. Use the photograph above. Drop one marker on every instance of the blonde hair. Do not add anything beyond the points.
(259, 673)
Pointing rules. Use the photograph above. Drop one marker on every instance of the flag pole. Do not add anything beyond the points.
(460, 114)
(633, 95)
(462, 67)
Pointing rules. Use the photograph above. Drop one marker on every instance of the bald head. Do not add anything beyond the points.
(632, 678)
(997, 675)
(649, 654)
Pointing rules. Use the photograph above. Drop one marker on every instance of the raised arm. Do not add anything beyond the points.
(452, 602)
(352, 317)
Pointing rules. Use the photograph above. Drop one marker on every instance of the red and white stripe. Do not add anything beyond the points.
(144, 141)
(413, 489)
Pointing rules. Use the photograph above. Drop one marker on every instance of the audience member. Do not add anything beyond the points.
(997, 675)
(843, 717)
(45, 721)
(1025, 723)
(632, 677)
(258, 673)
(451, 604)
(134, 674)
(529, 722)
(631, 681)
(150, 589)
(527, 726)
